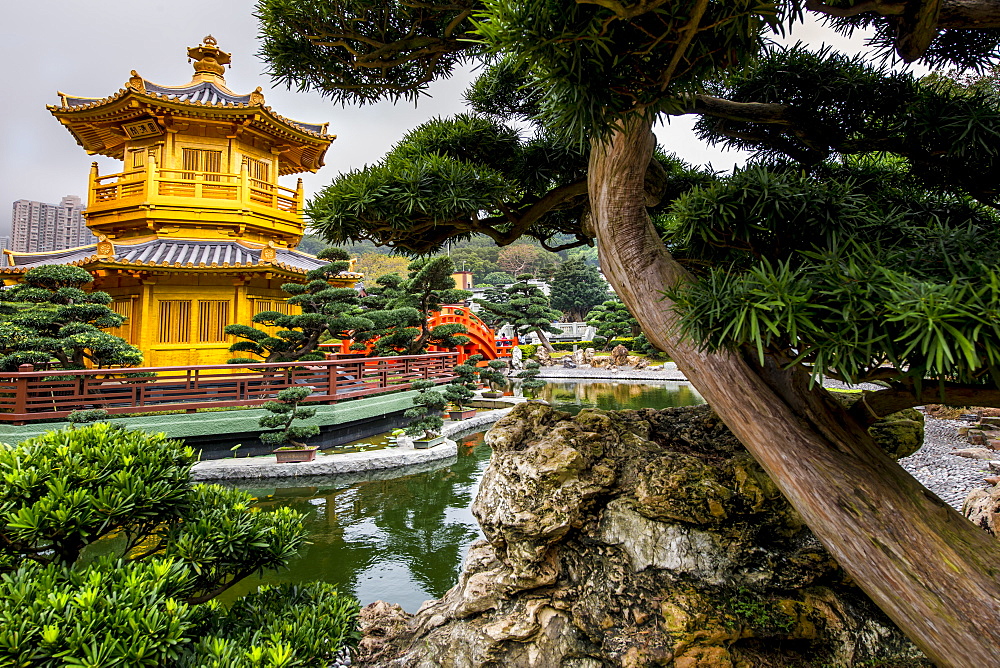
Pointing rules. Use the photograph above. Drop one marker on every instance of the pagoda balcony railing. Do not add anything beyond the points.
(156, 185)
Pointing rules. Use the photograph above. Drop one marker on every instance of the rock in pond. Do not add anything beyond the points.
(630, 539)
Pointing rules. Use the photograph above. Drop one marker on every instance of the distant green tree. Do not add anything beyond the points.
(47, 318)
(480, 260)
(325, 311)
(576, 288)
(109, 556)
(311, 244)
(587, 254)
(498, 278)
(400, 309)
(527, 310)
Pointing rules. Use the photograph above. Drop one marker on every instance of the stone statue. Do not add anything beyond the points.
(516, 358)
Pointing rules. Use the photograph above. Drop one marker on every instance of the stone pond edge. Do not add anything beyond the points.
(251, 468)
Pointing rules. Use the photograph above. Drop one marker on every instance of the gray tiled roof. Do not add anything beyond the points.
(180, 252)
(202, 91)
(199, 92)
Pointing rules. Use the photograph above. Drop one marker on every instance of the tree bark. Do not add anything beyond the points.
(544, 340)
(933, 572)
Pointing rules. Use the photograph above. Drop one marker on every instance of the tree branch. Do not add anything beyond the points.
(748, 112)
(875, 405)
(623, 11)
(688, 33)
(878, 6)
(574, 244)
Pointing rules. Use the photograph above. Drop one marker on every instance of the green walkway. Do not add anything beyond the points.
(218, 423)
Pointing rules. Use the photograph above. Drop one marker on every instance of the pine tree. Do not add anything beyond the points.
(326, 311)
(823, 258)
(612, 320)
(401, 308)
(462, 389)
(576, 288)
(48, 319)
(527, 310)
(283, 413)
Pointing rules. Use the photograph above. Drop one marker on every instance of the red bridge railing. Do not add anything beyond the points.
(29, 395)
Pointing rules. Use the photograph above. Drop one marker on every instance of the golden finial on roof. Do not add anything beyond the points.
(209, 58)
(136, 82)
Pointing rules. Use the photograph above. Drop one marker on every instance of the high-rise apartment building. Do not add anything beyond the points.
(38, 227)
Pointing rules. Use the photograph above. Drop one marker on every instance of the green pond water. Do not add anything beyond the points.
(400, 536)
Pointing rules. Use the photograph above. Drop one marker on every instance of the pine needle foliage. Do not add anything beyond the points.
(111, 557)
(48, 319)
(425, 416)
(325, 312)
(612, 320)
(400, 309)
(462, 389)
(283, 413)
(526, 309)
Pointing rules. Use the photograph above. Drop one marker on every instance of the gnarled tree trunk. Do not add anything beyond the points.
(932, 571)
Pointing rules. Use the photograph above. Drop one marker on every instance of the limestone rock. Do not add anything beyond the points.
(637, 362)
(975, 453)
(982, 507)
(899, 434)
(619, 355)
(634, 539)
(543, 357)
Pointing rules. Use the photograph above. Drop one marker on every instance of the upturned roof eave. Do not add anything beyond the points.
(119, 101)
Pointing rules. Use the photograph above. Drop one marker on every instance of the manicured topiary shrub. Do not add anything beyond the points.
(110, 557)
(426, 411)
(461, 390)
(528, 349)
(283, 412)
(530, 383)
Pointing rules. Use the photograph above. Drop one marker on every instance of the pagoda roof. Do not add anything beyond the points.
(174, 254)
(196, 94)
(97, 123)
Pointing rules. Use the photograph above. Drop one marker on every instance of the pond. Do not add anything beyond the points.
(402, 539)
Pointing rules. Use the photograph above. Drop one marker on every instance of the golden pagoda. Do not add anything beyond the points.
(195, 232)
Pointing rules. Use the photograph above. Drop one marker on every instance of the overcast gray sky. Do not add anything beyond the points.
(88, 49)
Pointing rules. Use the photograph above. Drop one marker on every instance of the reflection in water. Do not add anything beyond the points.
(618, 395)
(403, 539)
(400, 540)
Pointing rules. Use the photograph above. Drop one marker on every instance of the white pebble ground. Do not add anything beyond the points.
(947, 475)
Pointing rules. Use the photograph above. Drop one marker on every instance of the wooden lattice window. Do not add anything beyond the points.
(124, 309)
(213, 316)
(279, 305)
(138, 158)
(257, 169)
(201, 160)
(175, 321)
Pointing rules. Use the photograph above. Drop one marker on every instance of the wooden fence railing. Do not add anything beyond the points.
(29, 395)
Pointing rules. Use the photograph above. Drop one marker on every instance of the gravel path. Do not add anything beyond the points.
(948, 476)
